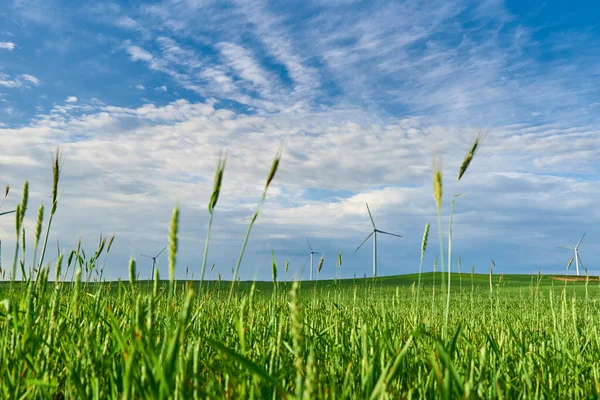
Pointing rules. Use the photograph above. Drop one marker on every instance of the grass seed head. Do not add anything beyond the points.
(38, 225)
(24, 199)
(424, 241)
(18, 212)
(274, 166)
(437, 184)
(321, 263)
(470, 154)
(173, 242)
(110, 242)
(132, 271)
(274, 266)
(55, 179)
(217, 183)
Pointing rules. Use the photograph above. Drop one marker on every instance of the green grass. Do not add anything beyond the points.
(354, 339)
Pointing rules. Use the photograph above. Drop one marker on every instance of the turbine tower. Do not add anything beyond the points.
(154, 260)
(374, 233)
(310, 258)
(576, 251)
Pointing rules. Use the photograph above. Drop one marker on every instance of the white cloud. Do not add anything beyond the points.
(244, 64)
(29, 78)
(137, 53)
(10, 46)
(162, 88)
(140, 87)
(71, 99)
(23, 80)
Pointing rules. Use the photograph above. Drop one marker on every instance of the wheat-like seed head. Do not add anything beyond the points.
(274, 266)
(274, 166)
(24, 200)
(437, 185)
(424, 241)
(38, 225)
(173, 242)
(59, 266)
(18, 219)
(321, 263)
(217, 183)
(110, 242)
(55, 179)
(132, 271)
(470, 154)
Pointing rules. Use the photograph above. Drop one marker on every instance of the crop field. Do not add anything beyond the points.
(67, 333)
(345, 339)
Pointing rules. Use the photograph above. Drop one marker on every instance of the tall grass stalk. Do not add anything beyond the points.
(423, 248)
(55, 178)
(19, 217)
(173, 251)
(272, 172)
(218, 181)
(38, 232)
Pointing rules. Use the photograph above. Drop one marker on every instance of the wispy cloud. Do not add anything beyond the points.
(23, 80)
(71, 99)
(10, 46)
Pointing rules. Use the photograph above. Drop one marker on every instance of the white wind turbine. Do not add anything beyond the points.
(310, 258)
(374, 233)
(154, 260)
(576, 256)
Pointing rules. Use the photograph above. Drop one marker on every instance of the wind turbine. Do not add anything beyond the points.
(154, 260)
(310, 258)
(374, 233)
(576, 256)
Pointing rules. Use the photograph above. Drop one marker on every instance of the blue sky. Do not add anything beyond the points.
(142, 97)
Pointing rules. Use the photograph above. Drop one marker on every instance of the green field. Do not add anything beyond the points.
(327, 339)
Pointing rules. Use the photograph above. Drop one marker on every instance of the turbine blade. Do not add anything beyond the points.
(143, 255)
(7, 212)
(309, 246)
(161, 252)
(306, 262)
(370, 216)
(316, 252)
(370, 234)
(580, 240)
(563, 247)
(387, 233)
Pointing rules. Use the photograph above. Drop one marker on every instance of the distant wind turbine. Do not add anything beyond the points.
(154, 260)
(310, 258)
(374, 233)
(576, 256)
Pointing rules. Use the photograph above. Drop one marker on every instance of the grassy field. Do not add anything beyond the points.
(344, 339)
